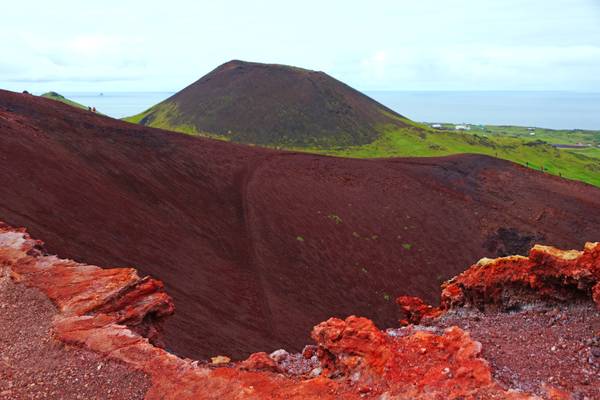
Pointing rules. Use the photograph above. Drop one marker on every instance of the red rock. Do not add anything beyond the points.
(351, 345)
(259, 362)
(374, 362)
(547, 274)
(556, 394)
(596, 294)
(309, 351)
(416, 309)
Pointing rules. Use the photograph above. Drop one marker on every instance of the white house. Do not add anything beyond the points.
(462, 127)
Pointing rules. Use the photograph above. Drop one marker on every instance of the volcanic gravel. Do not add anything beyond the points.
(35, 366)
(548, 345)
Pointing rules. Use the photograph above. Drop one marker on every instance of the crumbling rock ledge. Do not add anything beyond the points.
(115, 313)
(509, 283)
(548, 274)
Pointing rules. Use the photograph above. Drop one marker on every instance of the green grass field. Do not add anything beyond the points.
(509, 143)
(553, 136)
(591, 152)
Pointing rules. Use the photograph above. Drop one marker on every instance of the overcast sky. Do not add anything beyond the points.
(121, 45)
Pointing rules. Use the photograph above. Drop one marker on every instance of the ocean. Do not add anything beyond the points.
(557, 110)
(118, 104)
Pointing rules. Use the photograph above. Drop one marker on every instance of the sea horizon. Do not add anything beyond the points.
(550, 109)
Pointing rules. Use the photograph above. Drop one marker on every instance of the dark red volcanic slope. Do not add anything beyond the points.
(257, 246)
(274, 104)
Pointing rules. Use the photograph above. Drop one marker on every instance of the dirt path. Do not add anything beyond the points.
(248, 257)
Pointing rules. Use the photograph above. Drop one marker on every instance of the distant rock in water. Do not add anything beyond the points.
(273, 104)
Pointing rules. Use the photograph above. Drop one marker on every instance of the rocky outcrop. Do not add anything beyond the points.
(415, 309)
(117, 314)
(417, 365)
(85, 292)
(548, 274)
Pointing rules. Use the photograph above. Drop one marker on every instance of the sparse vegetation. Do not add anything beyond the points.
(407, 246)
(335, 218)
(162, 115)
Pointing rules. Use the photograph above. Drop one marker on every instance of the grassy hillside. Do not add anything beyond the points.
(591, 152)
(587, 139)
(422, 141)
(554, 136)
(507, 142)
(590, 140)
(63, 99)
(161, 119)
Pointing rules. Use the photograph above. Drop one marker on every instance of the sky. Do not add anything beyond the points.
(130, 45)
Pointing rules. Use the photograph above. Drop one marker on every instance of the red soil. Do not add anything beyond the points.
(257, 246)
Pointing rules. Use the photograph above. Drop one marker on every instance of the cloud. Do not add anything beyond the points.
(99, 46)
(376, 63)
(82, 58)
(429, 44)
(477, 67)
(51, 79)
